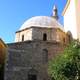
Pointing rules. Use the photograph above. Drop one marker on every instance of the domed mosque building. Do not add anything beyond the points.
(37, 41)
(39, 28)
(43, 28)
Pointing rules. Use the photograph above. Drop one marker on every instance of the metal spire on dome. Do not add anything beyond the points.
(55, 12)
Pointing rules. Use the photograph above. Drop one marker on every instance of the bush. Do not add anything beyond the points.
(66, 66)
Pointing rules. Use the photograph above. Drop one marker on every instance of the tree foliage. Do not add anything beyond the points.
(66, 66)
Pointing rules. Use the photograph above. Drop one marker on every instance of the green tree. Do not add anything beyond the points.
(66, 66)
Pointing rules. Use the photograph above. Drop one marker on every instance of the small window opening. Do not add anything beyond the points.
(44, 37)
(45, 55)
(32, 74)
(69, 38)
(32, 77)
(64, 40)
(22, 37)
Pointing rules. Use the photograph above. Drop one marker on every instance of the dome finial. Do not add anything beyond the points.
(55, 12)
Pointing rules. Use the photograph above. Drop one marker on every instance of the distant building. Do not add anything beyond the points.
(37, 41)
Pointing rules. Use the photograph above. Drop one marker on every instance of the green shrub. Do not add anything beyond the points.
(66, 66)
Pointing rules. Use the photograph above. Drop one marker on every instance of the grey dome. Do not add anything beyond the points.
(41, 21)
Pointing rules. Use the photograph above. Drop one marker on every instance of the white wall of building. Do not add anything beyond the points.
(78, 17)
(70, 19)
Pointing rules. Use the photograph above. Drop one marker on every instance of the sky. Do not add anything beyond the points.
(13, 13)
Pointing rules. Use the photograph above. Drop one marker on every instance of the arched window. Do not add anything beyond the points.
(69, 36)
(32, 77)
(45, 55)
(32, 74)
(22, 37)
(64, 40)
(44, 37)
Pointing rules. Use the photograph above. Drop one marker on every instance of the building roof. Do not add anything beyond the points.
(41, 21)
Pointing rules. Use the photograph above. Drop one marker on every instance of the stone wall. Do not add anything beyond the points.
(27, 35)
(38, 32)
(26, 58)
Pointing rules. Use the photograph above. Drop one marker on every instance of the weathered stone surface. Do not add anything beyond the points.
(26, 58)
